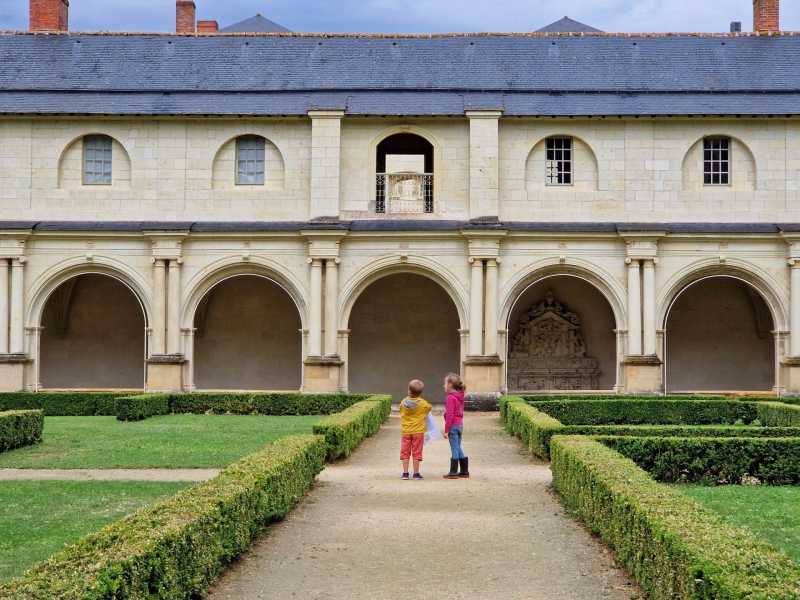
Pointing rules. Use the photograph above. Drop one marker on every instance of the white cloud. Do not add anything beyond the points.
(414, 16)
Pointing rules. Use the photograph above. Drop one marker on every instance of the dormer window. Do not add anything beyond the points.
(97, 160)
(558, 161)
(250, 160)
(716, 161)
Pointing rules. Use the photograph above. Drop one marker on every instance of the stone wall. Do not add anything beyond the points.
(713, 339)
(403, 327)
(249, 338)
(103, 346)
(597, 319)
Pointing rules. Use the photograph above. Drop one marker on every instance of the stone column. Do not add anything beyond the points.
(174, 308)
(476, 308)
(331, 307)
(3, 306)
(315, 318)
(649, 307)
(483, 163)
(634, 309)
(490, 323)
(325, 150)
(17, 326)
(794, 311)
(159, 306)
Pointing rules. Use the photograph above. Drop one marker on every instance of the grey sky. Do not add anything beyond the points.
(414, 16)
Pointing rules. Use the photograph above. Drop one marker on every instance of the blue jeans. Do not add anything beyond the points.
(454, 437)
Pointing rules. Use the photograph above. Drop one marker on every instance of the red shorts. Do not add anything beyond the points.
(411, 446)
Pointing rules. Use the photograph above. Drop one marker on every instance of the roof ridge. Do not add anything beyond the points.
(410, 35)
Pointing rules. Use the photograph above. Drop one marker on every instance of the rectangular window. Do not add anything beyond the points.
(716, 161)
(559, 161)
(97, 160)
(250, 160)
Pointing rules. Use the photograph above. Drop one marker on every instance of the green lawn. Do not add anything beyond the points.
(170, 442)
(772, 513)
(38, 517)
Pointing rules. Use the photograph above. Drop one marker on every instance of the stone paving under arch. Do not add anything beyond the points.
(363, 533)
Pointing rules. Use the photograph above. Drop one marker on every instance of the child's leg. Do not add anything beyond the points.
(418, 440)
(460, 435)
(405, 451)
(416, 466)
(405, 465)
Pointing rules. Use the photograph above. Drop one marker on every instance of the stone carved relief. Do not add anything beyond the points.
(549, 352)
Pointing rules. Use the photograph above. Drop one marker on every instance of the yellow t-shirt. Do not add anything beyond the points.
(413, 412)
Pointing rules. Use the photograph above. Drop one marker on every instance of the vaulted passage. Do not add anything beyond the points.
(403, 327)
(719, 338)
(93, 336)
(247, 337)
(571, 347)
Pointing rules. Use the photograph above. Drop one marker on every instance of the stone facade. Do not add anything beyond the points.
(625, 280)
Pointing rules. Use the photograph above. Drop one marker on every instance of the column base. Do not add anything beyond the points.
(12, 372)
(165, 373)
(791, 375)
(483, 374)
(322, 374)
(643, 375)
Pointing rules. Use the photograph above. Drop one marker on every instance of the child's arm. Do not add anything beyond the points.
(448, 414)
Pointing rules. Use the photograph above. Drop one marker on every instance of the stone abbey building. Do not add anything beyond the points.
(559, 210)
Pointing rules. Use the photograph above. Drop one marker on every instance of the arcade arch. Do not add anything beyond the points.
(403, 326)
(93, 335)
(247, 336)
(718, 336)
(598, 322)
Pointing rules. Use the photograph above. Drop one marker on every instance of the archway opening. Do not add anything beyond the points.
(247, 337)
(93, 336)
(403, 327)
(561, 337)
(719, 338)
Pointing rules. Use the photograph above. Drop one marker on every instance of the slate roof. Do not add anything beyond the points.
(282, 74)
(257, 24)
(567, 24)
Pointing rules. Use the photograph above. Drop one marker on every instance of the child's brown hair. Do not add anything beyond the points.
(456, 382)
(415, 387)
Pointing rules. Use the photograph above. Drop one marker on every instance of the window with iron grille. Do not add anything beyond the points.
(559, 161)
(250, 160)
(716, 161)
(97, 160)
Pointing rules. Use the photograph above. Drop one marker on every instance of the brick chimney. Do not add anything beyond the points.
(184, 16)
(49, 14)
(766, 15)
(207, 27)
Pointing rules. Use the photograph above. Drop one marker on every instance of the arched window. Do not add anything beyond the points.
(250, 150)
(97, 160)
(404, 178)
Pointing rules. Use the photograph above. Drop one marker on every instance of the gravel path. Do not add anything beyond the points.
(108, 474)
(363, 533)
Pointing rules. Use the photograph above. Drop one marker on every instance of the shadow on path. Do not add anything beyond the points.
(364, 533)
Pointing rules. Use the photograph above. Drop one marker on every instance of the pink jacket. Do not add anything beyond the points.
(453, 410)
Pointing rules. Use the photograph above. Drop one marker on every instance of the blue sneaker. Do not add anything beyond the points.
(405, 476)
(417, 476)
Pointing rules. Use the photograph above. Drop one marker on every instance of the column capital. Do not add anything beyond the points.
(323, 244)
(483, 244)
(12, 242)
(166, 245)
(642, 244)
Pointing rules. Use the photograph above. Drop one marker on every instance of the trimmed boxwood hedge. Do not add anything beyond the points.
(174, 549)
(20, 428)
(673, 547)
(712, 460)
(142, 406)
(62, 404)
(346, 430)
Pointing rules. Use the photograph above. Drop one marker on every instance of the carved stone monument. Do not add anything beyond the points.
(549, 352)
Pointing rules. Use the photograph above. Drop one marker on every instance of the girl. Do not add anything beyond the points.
(454, 425)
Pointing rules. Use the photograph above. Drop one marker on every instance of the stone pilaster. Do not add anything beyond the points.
(14, 359)
(325, 162)
(483, 163)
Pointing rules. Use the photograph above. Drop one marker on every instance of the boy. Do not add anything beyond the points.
(413, 411)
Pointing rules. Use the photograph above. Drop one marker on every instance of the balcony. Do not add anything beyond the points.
(404, 193)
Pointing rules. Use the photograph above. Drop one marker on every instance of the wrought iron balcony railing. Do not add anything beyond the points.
(404, 193)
